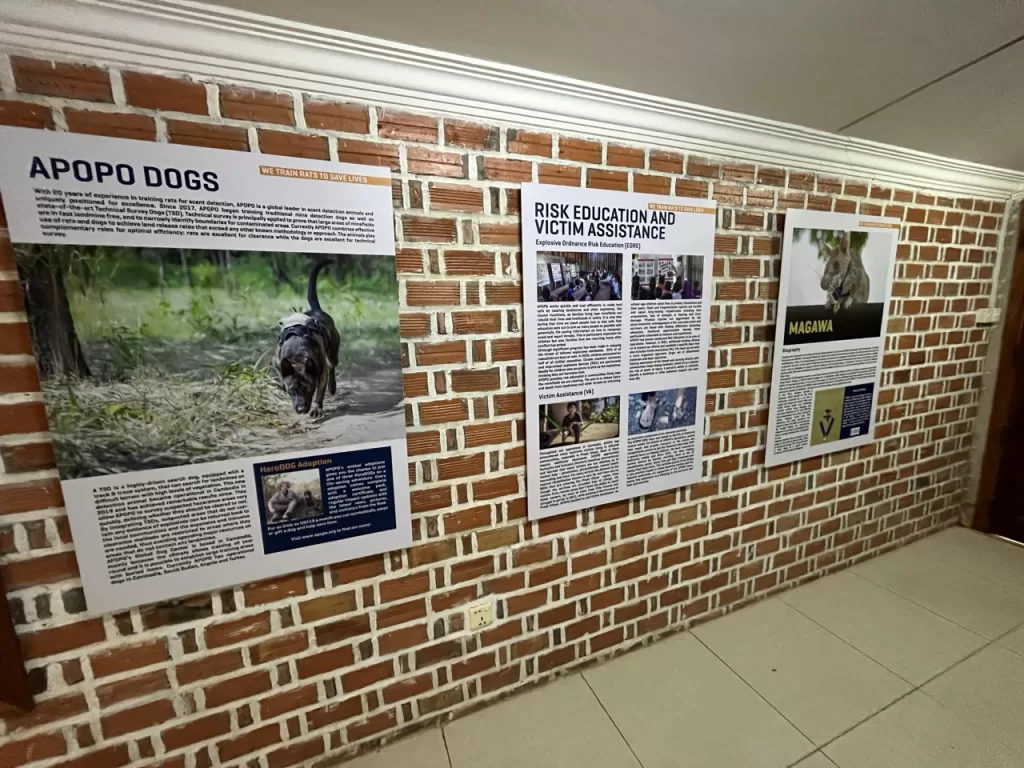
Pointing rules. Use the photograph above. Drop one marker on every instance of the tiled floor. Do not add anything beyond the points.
(914, 659)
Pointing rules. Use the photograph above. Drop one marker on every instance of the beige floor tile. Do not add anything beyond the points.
(561, 725)
(977, 553)
(918, 732)
(1014, 641)
(903, 637)
(817, 760)
(424, 750)
(944, 576)
(986, 690)
(818, 682)
(675, 700)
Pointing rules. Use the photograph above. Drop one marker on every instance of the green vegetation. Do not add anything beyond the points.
(178, 348)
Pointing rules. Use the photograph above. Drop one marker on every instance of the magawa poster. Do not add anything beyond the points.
(616, 343)
(837, 272)
(217, 340)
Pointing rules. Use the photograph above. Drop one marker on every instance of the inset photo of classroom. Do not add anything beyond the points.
(563, 276)
(667, 277)
(664, 409)
(579, 421)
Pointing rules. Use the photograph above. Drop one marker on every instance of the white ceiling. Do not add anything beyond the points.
(827, 64)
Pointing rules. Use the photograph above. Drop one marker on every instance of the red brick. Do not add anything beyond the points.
(295, 753)
(431, 162)
(231, 632)
(335, 116)
(364, 677)
(326, 606)
(28, 457)
(630, 157)
(288, 701)
(170, 94)
(25, 115)
(39, 570)
(470, 135)
(256, 106)
(453, 197)
(368, 153)
(48, 711)
(108, 757)
(37, 748)
(132, 687)
(293, 144)
(69, 81)
(128, 657)
(529, 143)
(119, 126)
(235, 688)
(392, 124)
(579, 149)
(204, 135)
(278, 647)
(209, 666)
(68, 637)
(249, 742)
(137, 718)
(424, 229)
(195, 731)
(562, 175)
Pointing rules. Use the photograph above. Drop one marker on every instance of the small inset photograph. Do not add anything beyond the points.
(661, 410)
(826, 423)
(579, 276)
(579, 421)
(292, 496)
(667, 277)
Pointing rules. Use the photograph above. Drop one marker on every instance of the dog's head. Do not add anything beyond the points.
(301, 361)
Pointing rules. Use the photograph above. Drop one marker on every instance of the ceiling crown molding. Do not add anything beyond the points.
(185, 37)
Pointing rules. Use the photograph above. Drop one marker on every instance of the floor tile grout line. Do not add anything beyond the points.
(760, 696)
(846, 642)
(920, 687)
(611, 720)
(447, 752)
(914, 602)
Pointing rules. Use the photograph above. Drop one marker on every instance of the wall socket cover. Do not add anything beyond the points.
(988, 316)
(481, 614)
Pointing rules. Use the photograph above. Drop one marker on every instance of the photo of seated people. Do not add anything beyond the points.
(579, 277)
(579, 421)
(667, 277)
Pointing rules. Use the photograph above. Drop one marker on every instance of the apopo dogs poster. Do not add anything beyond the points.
(217, 341)
(837, 272)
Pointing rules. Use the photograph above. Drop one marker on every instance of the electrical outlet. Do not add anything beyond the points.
(481, 614)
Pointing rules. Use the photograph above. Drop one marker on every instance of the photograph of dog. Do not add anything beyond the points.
(292, 496)
(152, 357)
(307, 352)
(661, 410)
(578, 421)
(667, 277)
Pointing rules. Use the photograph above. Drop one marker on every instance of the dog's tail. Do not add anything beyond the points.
(311, 297)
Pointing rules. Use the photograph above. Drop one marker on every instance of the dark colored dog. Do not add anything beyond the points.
(307, 353)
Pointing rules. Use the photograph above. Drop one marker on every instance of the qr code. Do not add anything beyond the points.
(855, 431)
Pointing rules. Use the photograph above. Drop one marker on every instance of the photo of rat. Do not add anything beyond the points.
(845, 281)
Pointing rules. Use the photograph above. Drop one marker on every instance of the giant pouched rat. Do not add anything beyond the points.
(845, 281)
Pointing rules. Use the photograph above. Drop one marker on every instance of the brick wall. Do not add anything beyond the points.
(277, 673)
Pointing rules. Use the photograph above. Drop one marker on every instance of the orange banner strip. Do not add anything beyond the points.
(878, 224)
(302, 173)
(679, 208)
